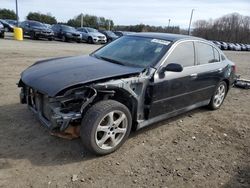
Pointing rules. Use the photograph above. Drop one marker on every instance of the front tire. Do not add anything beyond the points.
(218, 96)
(105, 127)
(90, 40)
(64, 39)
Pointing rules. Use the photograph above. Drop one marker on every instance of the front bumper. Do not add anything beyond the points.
(44, 34)
(50, 116)
(99, 40)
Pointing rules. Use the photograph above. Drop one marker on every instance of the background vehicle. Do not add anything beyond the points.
(66, 33)
(91, 35)
(8, 27)
(111, 36)
(2, 31)
(36, 30)
(231, 46)
(123, 33)
(243, 47)
(224, 45)
(134, 81)
(237, 46)
(218, 44)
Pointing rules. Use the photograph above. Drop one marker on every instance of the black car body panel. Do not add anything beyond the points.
(36, 30)
(7, 26)
(61, 32)
(61, 90)
(109, 34)
(2, 30)
(66, 72)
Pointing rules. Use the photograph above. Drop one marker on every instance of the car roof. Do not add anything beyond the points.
(165, 36)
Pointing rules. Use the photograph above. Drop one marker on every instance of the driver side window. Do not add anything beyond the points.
(182, 54)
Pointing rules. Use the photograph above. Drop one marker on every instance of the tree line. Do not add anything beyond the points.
(229, 28)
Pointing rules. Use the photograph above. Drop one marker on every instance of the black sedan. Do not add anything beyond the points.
(130, 83)
(66, 33)
(7, 26)
(111, 36)
(36, 30)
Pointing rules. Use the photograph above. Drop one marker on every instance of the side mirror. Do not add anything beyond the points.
(172, 67)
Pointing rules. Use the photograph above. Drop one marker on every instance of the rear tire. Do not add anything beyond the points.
(218, 96)
(105, 127)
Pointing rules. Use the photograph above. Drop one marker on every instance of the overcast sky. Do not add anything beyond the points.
(130, 12)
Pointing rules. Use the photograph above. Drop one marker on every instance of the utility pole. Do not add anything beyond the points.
(169, 20)
(81, 19)
(191, 17)
(17, 17)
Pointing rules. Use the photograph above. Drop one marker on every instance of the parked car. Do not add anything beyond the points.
(243, 47)
(218, 44)
(248, 47)
(231, 46)
(8, 27)
(109, 35)
(2, 30)
(123, 33)
(66, 33)
(36, 30)
(134, 81)
(224, 45)
(237, 46)
(91, 35)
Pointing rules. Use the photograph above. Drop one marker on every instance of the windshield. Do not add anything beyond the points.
(91, 30)
(68, 28)
(133, 51)
(36, 24)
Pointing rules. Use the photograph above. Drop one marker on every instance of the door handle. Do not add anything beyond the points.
(194, 75)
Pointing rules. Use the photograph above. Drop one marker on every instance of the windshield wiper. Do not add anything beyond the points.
(108, 59)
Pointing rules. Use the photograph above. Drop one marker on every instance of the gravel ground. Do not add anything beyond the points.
(201, 148)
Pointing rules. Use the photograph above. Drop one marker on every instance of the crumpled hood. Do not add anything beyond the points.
(54, 75)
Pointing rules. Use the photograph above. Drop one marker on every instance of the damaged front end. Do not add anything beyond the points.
(58, 112)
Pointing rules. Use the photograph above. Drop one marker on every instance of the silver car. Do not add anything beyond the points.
(91, 35)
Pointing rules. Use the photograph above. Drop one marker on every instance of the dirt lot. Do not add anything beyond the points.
(201, 148)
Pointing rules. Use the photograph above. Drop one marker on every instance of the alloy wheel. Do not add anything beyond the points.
(111, 130)
(219, 95)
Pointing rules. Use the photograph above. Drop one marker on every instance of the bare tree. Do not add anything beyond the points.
(229, 28)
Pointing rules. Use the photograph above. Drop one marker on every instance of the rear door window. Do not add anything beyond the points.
(182, 54)
(206, 53)
(216, 55)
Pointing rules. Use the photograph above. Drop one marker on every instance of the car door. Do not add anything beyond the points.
(172, 91)
(209, 70)
(84, 34)
(56, 30)
(25, 26)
